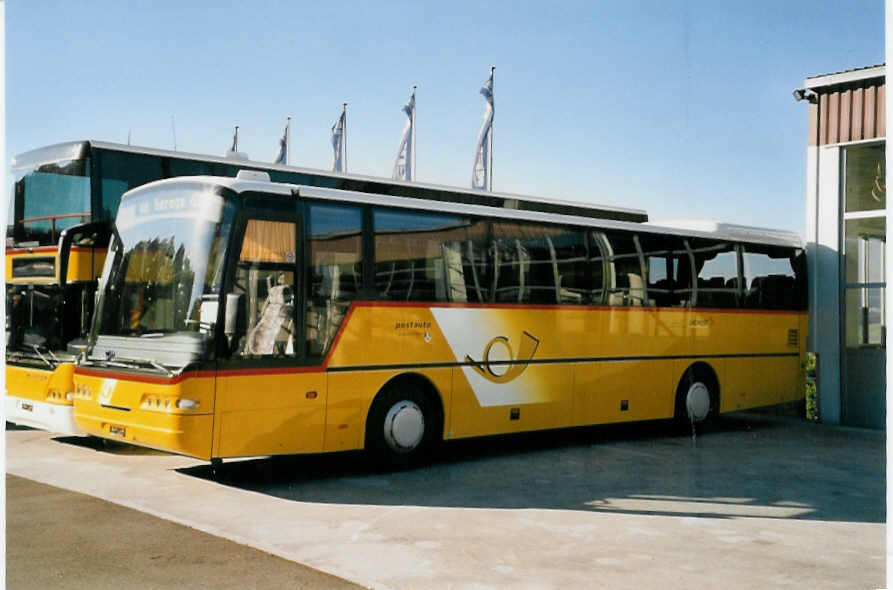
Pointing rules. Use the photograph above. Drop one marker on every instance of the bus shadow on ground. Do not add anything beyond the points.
(744, 466)
(104, 445)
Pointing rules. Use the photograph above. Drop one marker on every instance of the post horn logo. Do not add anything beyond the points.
(105, 393)
(503, 371)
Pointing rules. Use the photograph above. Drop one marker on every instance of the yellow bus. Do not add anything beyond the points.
(246, 318)
(64, 199)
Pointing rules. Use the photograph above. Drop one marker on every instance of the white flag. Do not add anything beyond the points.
(282, 152)
(481, 174)
(406, 152)
(338, 164)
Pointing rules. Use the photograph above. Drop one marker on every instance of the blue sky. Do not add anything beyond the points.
(680, 108)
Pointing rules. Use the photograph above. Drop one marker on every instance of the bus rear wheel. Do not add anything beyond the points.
(401, 428)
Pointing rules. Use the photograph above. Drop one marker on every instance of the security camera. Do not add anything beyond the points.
(804, 94)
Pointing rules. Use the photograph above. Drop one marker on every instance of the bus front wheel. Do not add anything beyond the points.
(697, 396)
(401, 427)
(697, 402)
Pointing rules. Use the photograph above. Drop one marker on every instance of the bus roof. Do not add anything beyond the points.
(70, 150)
(746, 233)
(731, 232)
(75, 149)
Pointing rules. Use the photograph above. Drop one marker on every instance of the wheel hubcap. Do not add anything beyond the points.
(697, 401)
(404, 426)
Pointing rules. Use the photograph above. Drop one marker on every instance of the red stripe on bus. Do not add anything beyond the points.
(197, 374)
(553, 306)
(143, 378)
(38, 250)
(270, 371)
(391, 304)
(338, 334)
(45, 249)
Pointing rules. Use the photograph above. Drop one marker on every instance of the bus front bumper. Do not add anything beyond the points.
(181, 434)
(57, 418)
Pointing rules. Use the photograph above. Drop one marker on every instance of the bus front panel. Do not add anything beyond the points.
(40, 397)
(175, 415)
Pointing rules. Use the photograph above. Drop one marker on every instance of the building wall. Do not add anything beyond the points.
(845, 113)
(851, 112)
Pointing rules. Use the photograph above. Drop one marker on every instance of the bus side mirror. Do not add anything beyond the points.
(207, 314)
(231, 317)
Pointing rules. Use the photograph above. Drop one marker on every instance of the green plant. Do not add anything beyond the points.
(812, 399)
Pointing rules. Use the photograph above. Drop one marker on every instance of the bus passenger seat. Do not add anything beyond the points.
(615, 299)
(636, 290)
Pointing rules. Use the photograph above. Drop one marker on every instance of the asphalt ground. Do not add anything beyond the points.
(61, 539)
(753, 502)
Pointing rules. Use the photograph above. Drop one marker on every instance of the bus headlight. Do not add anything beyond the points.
(82, 392)
(56, 395)
(187, 404)
(152, 402)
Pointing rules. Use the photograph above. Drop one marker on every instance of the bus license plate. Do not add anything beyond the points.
(27, 407)
(116, 430)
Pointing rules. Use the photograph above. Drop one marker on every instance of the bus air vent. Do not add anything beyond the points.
(793, 337)
(253, 175)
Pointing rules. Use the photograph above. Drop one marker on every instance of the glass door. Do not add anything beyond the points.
(864, 315)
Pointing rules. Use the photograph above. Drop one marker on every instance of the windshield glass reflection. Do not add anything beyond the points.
(49, 198)
(167, 260)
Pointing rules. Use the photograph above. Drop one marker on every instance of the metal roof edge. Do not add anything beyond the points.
(856, 75)
(735, 230)
(727, 231)
(290, 168)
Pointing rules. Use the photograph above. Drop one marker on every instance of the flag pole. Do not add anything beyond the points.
(344, 139)
(287, 140)
(493, 95)
(413, 134)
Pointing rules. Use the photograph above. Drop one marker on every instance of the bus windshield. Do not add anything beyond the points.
(33, 317)
(48, 198)
(166, 265)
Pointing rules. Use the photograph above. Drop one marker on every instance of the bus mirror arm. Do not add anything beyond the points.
(232, 317)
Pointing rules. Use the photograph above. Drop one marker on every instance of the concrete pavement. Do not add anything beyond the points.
(58, 539)
(756, 503)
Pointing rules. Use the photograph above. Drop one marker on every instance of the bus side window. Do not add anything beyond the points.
(473, 266)
(414, 258)
(716, 266)
(578, 268)
(660, 265)
(682, 275)
(334, 234)
(265, 276)
(625, 286)
(122, 171)
(769, 278)
(524, 264)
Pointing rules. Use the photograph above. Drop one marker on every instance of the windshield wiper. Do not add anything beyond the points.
(116, 361)
(52, 364)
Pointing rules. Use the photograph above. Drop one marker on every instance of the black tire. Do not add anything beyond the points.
(697, 399)
(403, 427)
